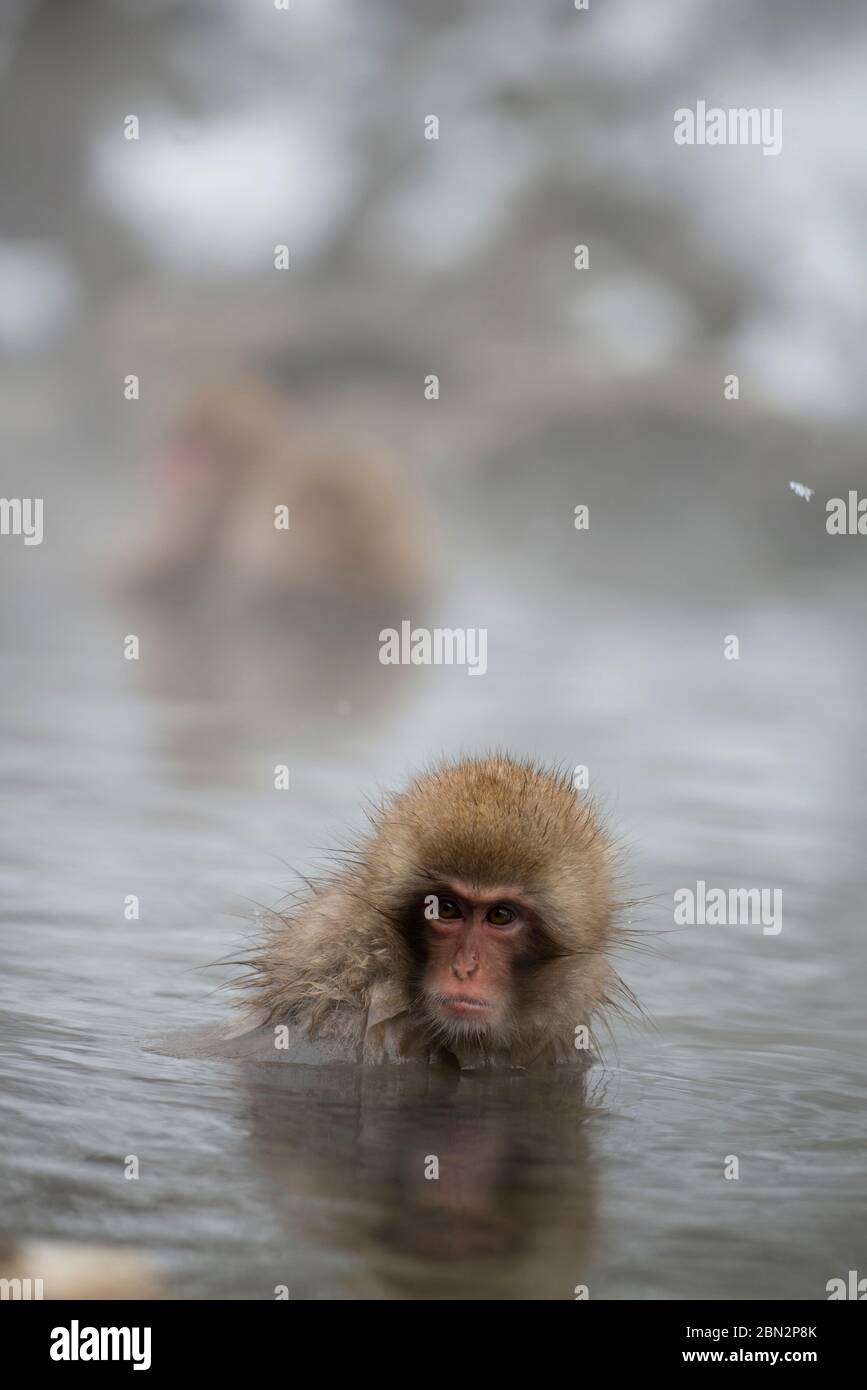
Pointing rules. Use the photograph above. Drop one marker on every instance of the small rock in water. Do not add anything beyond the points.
(48, 1269)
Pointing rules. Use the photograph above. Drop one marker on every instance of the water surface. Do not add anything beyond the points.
(119, 780)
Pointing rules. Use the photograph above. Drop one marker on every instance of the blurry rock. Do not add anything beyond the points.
(59, 1270)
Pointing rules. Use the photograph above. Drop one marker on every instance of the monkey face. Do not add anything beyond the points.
(224, 434)
(188, 463)
(473, 945)
(475, 921)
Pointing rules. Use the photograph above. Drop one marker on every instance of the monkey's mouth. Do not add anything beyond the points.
(463, 1005)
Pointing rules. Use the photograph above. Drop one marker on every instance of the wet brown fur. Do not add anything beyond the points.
(346, 956)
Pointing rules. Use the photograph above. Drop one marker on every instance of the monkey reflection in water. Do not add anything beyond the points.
(472, 927)
(445, 1185)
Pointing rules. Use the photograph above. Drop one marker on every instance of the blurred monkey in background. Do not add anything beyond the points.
(250, 507)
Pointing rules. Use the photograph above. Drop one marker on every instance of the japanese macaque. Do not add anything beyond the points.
(472, 926)
(251, 503)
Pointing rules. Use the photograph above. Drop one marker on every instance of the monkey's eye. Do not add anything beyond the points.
(448, 910)
(501, 916)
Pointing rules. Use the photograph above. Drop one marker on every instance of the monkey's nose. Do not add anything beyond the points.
(464, 969)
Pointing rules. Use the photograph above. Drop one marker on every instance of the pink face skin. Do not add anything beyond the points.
(186, 463)
(472, 946)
